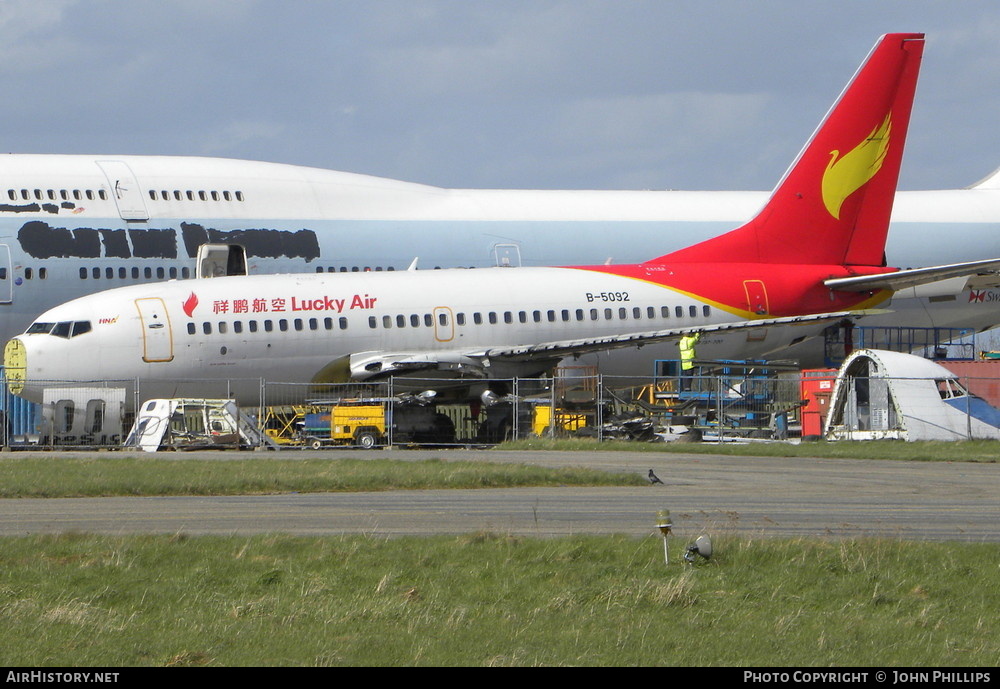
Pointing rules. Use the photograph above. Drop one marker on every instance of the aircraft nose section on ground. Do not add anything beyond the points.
(15, 361)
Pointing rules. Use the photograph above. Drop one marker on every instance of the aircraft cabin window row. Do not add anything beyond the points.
(352, 269)
(427, 320)
(268, 325)
(54, 195)
(549, 316)
(177, 195)
(147, 273)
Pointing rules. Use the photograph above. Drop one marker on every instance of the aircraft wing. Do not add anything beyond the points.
(566, 348)
(914, 277)
(477, 363)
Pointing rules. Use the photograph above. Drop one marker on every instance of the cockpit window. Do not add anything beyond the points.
(66, 329)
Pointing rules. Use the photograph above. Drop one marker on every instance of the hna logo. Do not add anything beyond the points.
(108, 321)
(847, 173)
(190, 304)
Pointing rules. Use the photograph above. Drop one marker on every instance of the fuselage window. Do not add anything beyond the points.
(226, 196)
(400, 321)
(414, 320)
(343, 323)
(508, 317)
(103, 194)
(201, 195)
(579, 314)
(135, 273)
(76, 194)
(27, 273)
(253, 326)
(372, 322)
(191, 329)
(636, 313)
(522, 316)
(268, 325)
(83, 273)
(12, 194)
(386, 321)
(313, 324)
(493, 318)
(607, 314)
(623, 313)
(428, 321)
(159, 273)
(460, 318)
(237, 326)
(536, 316)
(551, 315)
(650, 312)
(206, 328)
(172, 273)
(147, 272)
(328, 323)
(565, 314)
(152, 194)
(185, 273)
(443, 318)
(593, 314)
(89, 194)
(706, 310)
(283, 324)
(239, 196)
(96, 272)
(297, 324)
(177, 195)
(477, 318)
(679, 311)
(223, 327)
(122, 273)
(693, 311)
(109, 273)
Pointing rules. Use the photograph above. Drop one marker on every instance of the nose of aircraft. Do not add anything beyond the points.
(15, 361)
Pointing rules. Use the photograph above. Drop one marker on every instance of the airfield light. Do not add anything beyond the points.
(702, 546)
(664, 524)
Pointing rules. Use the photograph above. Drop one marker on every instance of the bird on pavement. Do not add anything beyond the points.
(653, 478)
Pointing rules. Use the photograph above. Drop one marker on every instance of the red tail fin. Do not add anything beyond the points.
(832, 206)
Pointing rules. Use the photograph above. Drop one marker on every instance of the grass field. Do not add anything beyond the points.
(489, 599)
(53, 476)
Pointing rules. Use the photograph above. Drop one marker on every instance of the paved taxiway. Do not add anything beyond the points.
(745, 495)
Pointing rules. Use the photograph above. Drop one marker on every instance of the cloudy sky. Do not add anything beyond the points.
(610, 94)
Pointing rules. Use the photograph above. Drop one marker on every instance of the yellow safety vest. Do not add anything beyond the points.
(687, 345)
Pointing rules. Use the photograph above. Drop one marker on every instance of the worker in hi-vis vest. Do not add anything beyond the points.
(687, 346)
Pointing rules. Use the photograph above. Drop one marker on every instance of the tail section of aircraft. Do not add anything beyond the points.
(832, 207)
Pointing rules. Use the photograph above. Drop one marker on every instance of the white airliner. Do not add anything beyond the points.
(813, 255)
(72, 225)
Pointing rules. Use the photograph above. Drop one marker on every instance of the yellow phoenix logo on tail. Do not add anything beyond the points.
(846, 175)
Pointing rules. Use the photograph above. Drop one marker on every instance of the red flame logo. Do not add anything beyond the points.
(190, 304)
